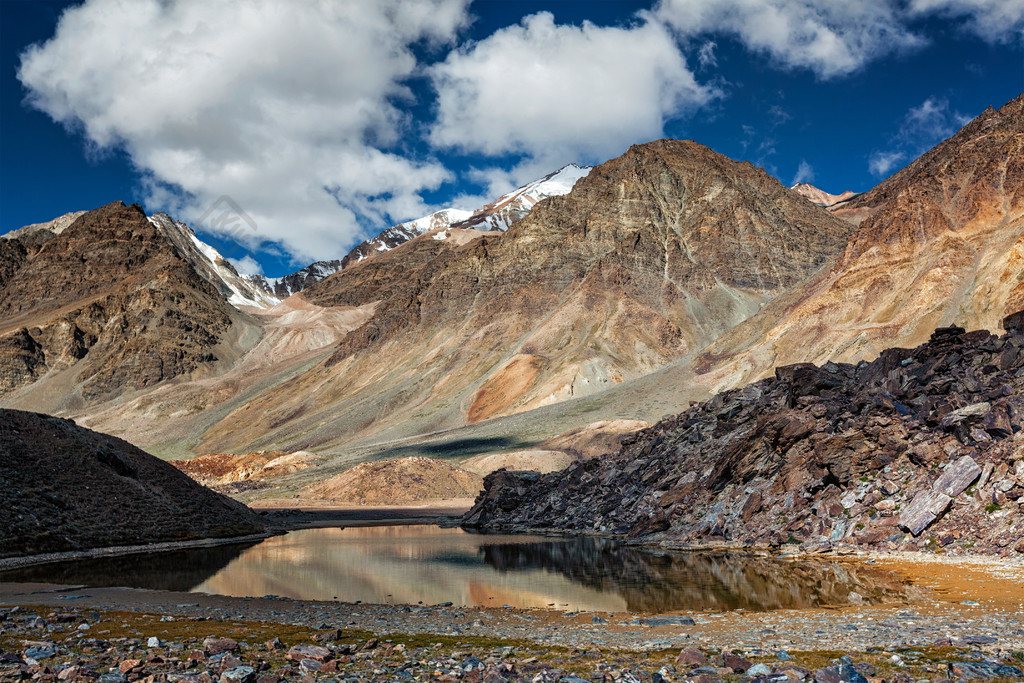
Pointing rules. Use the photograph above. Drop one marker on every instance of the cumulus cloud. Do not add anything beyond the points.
(830, 38)
(559, 93)
(922, 127)
(992, 20)
(247, 265)
(804, 173)
(288, 108)
(880, 163)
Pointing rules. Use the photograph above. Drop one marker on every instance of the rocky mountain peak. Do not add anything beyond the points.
(112, 297)
(820, 197)
(955, 160)
(649, 257)
(940, 242)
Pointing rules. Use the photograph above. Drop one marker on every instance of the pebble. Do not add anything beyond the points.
(898, 636)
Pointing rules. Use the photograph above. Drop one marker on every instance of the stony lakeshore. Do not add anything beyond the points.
(964, 621)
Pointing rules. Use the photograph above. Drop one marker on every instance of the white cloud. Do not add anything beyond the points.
(247, 265)
(283, 106)
(804, 173)
(830, 38)
(930, 122)
(922, 127)
(559, 93)
(706, 55)
(881, 163)
(992, 20)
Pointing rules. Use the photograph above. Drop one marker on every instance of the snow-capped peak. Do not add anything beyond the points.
(498, 215)
(507, 209)
(239, 289)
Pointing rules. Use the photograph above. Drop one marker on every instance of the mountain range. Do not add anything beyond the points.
(628, 290)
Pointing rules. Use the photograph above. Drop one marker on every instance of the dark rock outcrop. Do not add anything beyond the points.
(64, 487)
(922, 448)
(12, 257)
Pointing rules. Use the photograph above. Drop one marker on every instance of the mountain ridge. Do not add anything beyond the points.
(545, 311)
(940, 242)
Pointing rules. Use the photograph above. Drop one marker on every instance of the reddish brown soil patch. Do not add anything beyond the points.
(223, 468)
(505, 386)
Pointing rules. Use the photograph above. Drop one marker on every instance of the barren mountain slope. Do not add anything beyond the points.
(650, 257)
(107, 305)
(938, 243)
(63, 487)
(168, 420)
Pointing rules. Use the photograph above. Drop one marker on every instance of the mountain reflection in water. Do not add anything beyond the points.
(411, 564)
(177, 570)
(658, 581)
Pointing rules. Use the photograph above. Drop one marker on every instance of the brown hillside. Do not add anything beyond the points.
(650, 257)
(940, 242)
(112, 298)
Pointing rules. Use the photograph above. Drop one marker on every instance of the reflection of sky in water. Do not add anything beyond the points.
(401, 565)
(411, 564)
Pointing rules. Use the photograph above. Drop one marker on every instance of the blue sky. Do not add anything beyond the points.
(325, 122)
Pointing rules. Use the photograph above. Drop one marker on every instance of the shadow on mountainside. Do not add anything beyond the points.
(456, 449)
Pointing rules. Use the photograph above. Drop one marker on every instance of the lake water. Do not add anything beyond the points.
(430, 565)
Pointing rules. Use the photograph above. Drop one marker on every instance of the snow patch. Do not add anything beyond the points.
(239, 289)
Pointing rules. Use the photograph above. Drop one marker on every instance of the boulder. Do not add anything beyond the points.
(957, 477)
(923, 510)
(691, 656)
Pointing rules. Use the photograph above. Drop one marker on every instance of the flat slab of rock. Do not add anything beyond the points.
(957, 477)
(692, 657)
(314, 652)
(668, 621)
(923, 510)
(217, 645)
(973, 410)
